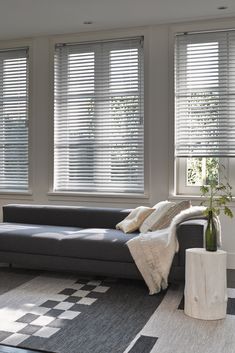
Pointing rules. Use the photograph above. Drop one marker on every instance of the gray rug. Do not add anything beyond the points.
(72, 314)
(62, 314)
(177, 333)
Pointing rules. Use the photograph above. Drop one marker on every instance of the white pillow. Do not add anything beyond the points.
(134, 220)
(167, 218)
(160, 210)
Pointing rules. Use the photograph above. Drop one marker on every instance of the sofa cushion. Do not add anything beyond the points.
(67, 216)
(98, 244)
(32, 238)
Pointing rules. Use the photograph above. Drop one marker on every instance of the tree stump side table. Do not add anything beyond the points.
(205, 284)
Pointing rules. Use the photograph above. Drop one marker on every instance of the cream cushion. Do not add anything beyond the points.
(168, 216)
(160, 210)
(133, 221)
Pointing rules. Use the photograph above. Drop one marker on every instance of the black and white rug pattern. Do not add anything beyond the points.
(46, 319)
(61, 314)
(71, 314)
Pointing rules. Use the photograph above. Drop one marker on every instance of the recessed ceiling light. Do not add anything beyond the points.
(222, 8)
(87, 22)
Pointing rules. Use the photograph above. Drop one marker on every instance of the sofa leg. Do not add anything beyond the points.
(10, 265)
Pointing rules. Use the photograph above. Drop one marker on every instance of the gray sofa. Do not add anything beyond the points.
(80, 239)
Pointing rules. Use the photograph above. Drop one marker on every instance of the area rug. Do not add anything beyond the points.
(73, 314)
(177, 333)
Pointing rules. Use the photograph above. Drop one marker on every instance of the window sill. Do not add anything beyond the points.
(96, 197)
(195, 198)
(186, 196)
(16, 195)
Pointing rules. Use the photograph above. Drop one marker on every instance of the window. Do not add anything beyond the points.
(98, 125)
(201, 170)
(191, 173)
(204, 107)
(14, 120)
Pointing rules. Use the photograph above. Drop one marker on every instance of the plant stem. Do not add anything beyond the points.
(211, 198)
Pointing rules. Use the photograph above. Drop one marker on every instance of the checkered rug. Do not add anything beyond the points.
(69, 314)
(49, 317)
(73, 314)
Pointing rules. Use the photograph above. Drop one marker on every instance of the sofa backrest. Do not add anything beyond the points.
(72, 216)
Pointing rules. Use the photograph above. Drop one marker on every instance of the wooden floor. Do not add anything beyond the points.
(7, 349)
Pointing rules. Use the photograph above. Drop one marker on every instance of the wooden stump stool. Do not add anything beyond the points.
(205, 284)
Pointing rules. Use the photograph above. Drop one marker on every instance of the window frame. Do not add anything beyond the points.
(181, 177)
(177, 171)
(24, 194)
(97, 196)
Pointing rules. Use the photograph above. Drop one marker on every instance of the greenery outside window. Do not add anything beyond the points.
(201, 170)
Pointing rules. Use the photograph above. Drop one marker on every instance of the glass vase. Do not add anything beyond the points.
(211, 234)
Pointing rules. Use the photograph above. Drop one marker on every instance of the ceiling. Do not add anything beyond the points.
(27, 18)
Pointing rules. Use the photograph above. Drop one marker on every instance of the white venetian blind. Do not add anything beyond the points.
(14, 120)
(205, 94)
(98, 126)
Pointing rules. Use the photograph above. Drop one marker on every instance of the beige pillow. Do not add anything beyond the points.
(159, 210)
(134, 220)
(166, 219)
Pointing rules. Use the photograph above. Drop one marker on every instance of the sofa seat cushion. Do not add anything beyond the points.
(98, 244)
(32, 238)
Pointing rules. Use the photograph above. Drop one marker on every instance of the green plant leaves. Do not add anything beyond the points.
(204, 189)
(217, 196)
(228, 212)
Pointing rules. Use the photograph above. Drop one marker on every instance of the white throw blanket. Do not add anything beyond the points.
(153, 252)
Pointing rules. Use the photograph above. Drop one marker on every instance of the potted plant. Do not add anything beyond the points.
(217, 196)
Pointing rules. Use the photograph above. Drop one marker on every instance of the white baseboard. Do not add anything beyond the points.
(231, 260)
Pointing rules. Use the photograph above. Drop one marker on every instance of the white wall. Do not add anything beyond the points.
(158, 140)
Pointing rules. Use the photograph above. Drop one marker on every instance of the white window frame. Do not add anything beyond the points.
(24, 194)
(182, 187)
(178, 187)
(97, 196)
